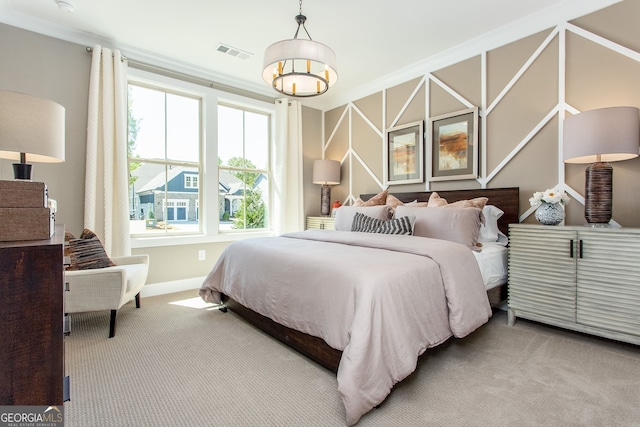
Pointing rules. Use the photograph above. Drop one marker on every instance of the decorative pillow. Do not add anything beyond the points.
(378, 199)
(86, 252)
(366, 224)
(417, 204)
(478, 202)
(435, 201)
(461, 225)
(345, 214)
(489, 231)
(393, 201)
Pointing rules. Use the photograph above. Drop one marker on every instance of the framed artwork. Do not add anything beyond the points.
(454, 146)
(404, 154)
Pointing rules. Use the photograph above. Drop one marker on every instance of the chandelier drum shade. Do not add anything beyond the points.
(299, 67)
(31, 129)
(598, 137)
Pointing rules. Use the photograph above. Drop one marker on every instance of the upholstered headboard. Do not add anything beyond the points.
(507, 199)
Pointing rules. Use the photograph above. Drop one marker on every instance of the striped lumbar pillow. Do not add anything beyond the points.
(86, 252)
(366, 224)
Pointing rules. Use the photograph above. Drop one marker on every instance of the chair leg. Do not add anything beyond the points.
(112, 324)
(138, 300)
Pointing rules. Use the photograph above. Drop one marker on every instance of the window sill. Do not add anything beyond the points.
(194, 239)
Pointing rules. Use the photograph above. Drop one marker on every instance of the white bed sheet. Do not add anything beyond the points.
(493, 261)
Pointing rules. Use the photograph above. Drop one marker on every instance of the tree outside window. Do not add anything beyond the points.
(243, 144)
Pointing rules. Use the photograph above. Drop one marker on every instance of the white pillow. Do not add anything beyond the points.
(489, 231)
(345, 214)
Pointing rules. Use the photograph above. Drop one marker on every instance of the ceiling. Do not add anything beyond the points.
(375, 41)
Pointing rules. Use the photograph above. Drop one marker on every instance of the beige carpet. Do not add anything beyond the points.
(174, 365)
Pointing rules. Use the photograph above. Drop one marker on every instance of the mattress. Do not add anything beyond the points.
(493, 262)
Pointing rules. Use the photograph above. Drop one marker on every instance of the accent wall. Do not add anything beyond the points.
(523, 89)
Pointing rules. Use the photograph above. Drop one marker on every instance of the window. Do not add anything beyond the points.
(184, 139)
(164, 159)
(243, 159)
(191, 181)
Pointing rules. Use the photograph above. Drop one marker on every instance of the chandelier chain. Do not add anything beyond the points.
(301, 19)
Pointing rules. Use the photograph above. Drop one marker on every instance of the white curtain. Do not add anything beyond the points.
(106, 209)
(288, 211)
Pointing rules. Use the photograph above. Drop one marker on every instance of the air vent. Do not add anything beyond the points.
(237, 53)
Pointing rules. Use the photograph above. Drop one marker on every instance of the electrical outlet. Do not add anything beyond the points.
(202, 255)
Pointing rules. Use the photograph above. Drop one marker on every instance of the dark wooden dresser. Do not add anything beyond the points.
(32, 311)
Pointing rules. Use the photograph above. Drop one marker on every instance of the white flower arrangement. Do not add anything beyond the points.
(549, 196)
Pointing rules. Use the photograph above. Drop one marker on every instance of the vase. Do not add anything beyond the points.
(550, 214)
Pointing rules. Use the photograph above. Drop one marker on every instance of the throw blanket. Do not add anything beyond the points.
(381, 299)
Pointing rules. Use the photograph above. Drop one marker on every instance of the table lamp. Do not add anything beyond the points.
(31, 129)
(327, 173)
(598, 137)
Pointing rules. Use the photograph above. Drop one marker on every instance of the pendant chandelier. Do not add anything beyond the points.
(300, 67)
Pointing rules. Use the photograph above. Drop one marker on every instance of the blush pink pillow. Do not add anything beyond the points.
(435, 201)
(345, 214)
(460, 225)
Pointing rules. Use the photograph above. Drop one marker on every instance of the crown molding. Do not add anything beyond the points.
(545, 19)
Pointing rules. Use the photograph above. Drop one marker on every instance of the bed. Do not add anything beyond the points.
(365, 305)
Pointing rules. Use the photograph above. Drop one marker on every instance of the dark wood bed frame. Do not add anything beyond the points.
(316, 348)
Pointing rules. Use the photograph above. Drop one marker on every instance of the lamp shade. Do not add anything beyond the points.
(326, 172)
(603, 135)
(31, 126)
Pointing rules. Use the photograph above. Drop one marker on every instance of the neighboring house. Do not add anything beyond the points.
(177, 194)
(181, 199)
(230, 190)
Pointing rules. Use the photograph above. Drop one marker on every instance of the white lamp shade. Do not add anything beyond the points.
(31, 125)
(326, 172)
(603, 135)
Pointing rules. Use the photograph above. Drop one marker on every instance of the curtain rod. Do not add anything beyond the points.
(193, 79)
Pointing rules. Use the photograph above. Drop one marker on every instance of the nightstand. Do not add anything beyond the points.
(320, 223)
(576, 277)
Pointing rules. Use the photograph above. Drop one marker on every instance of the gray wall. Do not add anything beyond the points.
(52, 69)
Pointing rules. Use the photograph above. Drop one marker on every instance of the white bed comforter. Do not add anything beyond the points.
(382, 300)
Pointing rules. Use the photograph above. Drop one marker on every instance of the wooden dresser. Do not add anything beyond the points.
(32, 310)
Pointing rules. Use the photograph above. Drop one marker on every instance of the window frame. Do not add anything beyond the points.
(208, 196)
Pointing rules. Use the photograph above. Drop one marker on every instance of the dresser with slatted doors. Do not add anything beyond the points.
(320, 223)
(576, 277)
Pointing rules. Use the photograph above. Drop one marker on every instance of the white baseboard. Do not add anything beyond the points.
(163, 288)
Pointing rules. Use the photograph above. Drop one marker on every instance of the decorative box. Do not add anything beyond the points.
(23, 194)
(24, 211)
(26, 224)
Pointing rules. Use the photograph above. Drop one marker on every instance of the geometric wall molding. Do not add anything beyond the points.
(539, 89)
